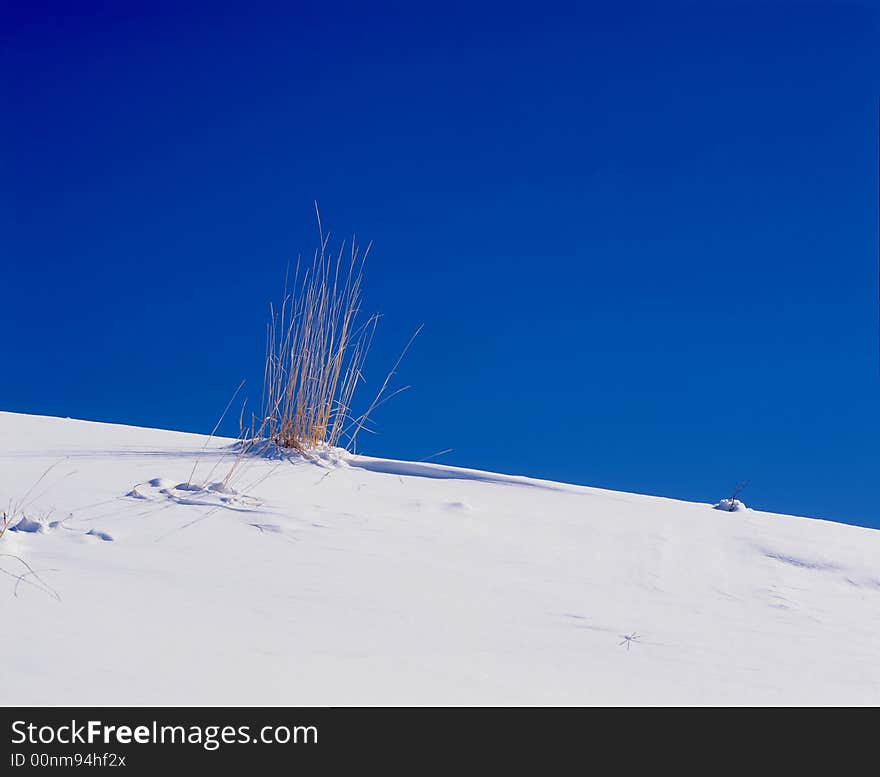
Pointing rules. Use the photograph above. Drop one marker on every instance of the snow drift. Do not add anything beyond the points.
(158, 567)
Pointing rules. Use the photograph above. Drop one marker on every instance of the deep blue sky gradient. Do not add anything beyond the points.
(642, 237)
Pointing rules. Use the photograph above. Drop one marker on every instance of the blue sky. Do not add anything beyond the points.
(642, 237)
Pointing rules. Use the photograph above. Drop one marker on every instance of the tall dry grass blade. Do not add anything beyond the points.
(380, 399)
(214, 431)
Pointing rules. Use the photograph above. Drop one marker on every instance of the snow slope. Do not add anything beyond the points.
(353, 580)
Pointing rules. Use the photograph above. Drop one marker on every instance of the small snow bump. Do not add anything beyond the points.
(29, 526)
(101, 535)
(730, 505)
(187, 487)
(222, 488)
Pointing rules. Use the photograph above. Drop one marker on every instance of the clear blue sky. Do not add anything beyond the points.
(642, 237)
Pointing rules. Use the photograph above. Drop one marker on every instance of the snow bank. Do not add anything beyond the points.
(354, 580)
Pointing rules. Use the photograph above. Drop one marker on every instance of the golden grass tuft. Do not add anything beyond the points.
(316, 346)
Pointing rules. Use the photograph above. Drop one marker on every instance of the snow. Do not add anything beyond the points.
(27, 524)
(168, 569)
(730, 505)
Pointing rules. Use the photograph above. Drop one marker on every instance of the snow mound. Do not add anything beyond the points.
(730, 505)
(29, 526)
(101, 535)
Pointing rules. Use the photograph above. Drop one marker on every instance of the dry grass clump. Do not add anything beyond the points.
(316, 346)
(16, 510)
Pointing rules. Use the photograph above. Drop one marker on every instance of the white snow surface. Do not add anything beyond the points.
(351, 580)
